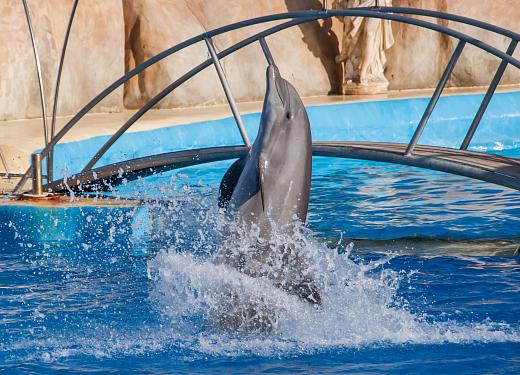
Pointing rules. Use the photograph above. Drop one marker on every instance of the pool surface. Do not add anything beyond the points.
(419, 270)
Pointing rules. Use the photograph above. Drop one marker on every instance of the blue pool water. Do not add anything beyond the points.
(431, 283)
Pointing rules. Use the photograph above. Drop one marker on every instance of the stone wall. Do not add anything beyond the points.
(110, 37)
(419, 56)
(94, 58)
(304, 54)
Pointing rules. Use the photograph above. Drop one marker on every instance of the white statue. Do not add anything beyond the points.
(365, 41)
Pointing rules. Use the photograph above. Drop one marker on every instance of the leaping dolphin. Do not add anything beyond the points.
(269, 190)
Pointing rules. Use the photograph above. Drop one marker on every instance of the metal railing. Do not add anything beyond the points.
(48, 134)
(297, 18)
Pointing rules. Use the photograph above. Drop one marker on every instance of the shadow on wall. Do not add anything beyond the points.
(321, 40)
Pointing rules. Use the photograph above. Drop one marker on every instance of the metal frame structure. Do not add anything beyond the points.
(405, 154)
(48, 134)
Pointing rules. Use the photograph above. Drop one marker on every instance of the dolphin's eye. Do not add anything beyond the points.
(289, 116)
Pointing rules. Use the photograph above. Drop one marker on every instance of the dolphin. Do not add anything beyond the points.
(268, 190)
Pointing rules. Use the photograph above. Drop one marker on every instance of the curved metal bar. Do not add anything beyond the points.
(429, 157)
(114, 174)
(302, 17)
(60, 68)
(38, 70)
(50, 158)
(196, 70)
(499, 170)
(451, 17)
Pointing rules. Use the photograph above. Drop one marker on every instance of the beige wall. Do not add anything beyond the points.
(304, 54)
(110, 37)
(94, 57)
(419, 56)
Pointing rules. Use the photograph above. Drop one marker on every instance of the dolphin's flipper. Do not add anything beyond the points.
(229, 182)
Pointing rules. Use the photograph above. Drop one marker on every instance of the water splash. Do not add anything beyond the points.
(361, 305)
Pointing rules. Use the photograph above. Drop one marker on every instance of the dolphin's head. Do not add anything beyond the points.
(284, 114)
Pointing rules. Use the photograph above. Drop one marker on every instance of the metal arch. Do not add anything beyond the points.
(429, 157)
(260, 36)
(302, 17)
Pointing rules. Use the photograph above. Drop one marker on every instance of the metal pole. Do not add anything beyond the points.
(4, 162)
(435, 97)
(324, 4)
(37, 179)
(38, 69)
(227, 91)
(50, 157)
(267, 52)
(487, 98)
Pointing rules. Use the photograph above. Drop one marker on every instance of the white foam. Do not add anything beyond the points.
(360, 308)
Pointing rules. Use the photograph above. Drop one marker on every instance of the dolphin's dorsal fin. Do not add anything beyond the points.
(229, 182)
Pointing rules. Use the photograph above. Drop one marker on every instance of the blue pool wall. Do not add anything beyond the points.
(391, 121)
(377, 121)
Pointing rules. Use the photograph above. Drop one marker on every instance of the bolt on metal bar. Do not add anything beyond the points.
(267, 51)
(50, 157)
(37, 178)
(227, 91)
(487, 98)
(38, 70)
(435, 98)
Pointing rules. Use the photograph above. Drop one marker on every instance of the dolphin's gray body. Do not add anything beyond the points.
(269, 190)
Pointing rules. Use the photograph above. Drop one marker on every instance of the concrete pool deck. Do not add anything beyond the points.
(19, 138)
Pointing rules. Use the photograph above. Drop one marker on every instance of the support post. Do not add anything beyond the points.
(435, 98)
(37, 179)
(227, 91)
(267, 51)
(487, 98)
